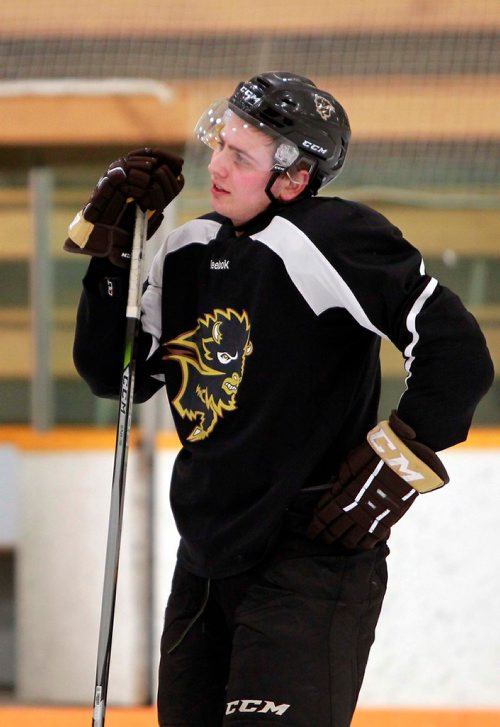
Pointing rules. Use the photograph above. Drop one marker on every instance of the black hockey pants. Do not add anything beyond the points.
(283, 644)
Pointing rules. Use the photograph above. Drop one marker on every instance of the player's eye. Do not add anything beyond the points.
(242, 160)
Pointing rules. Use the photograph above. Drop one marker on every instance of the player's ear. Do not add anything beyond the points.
(290, 184)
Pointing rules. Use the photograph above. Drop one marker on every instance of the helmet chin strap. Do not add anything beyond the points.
(307, 192)
(274, 176)
(275, 202)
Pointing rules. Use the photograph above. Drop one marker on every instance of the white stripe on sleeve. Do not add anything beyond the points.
(314, 276)
(411, 324)
(194, 232)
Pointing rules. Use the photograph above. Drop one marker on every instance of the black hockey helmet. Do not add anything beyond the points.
(293, 109)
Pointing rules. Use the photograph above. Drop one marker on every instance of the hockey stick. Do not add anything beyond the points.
(119, 472)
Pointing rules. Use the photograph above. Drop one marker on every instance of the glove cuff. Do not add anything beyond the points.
(403, 461)
(79, 232)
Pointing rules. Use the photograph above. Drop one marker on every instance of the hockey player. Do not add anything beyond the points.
(263, 319)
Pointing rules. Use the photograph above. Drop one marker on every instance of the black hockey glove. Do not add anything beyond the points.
(375, 486)
(104, 228)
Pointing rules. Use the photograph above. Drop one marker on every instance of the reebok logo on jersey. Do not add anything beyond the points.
(262, 706)
(219, 264)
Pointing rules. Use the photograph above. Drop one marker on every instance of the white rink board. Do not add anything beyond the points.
(166, 540)
(63, 525)
(438, 641)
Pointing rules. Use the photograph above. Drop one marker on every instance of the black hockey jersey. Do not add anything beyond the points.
(268, 342)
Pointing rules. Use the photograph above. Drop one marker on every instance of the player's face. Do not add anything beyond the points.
(240, 170)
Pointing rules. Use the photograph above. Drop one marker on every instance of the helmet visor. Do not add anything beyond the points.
(250, 142)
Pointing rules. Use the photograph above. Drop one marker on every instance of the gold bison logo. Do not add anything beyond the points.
(324, 107)
(212, 358)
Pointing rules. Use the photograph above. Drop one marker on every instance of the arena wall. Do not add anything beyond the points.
(437, 642)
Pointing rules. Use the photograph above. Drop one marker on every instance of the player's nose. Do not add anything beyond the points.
(217, 163)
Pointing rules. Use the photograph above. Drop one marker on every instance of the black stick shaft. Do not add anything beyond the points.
(119, 474)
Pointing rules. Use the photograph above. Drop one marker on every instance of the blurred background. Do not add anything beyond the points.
(83, 83)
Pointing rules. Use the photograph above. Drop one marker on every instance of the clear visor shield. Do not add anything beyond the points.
(251, 143)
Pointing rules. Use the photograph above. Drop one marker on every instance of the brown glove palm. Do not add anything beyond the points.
(104, 228)
(375, 486)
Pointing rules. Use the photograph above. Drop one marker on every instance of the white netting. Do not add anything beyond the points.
(420, 81)
(85, 80)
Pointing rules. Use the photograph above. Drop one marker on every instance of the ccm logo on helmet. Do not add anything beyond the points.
(314, 147)
(262, 706)
(249, 95)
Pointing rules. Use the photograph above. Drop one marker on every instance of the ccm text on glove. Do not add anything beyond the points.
(376, 485)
